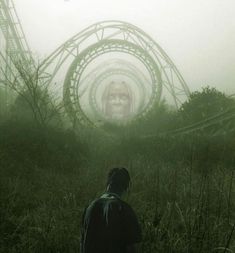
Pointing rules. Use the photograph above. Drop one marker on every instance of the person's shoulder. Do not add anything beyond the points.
(93, 204)
(126, 208)
(102, 200)
(125, 204)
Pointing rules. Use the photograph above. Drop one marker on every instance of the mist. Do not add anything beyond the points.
(108, 117)
(198, 35)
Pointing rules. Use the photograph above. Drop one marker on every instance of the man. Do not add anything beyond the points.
(109, 225)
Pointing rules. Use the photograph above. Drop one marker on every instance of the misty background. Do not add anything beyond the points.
(54, 161)
(199, 36)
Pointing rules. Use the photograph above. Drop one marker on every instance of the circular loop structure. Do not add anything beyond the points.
(73, 78)
(114, 67)
(104, 38)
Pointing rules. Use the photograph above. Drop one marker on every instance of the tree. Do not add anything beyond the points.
(2, 101)
(202, 105)
(158, 120)
(33, 101)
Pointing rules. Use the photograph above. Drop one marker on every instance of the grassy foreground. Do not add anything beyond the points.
(183, 193)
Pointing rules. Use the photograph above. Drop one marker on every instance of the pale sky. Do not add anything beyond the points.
(198, 35)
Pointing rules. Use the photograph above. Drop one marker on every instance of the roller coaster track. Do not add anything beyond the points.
(15, 50)
(172, 80)
(17, 47)
(218, 124)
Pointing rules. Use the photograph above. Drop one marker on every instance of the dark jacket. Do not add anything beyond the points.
(109, 225)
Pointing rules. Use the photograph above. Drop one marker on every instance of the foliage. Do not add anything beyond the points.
(45, 112)
(187, 206)
(24, 146)
(157, 120)
(2, 101)
(161, 118)
(182, 185)
(33, 101)
(204, 104)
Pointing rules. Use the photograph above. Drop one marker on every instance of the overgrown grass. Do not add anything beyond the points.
(182, 188)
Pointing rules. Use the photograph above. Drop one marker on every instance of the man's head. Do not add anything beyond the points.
(118, 180)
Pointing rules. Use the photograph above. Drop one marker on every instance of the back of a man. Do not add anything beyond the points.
(109, 225)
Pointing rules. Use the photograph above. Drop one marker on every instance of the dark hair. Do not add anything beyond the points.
(118, 179)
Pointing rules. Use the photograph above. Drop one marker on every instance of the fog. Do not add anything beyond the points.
(198, 35)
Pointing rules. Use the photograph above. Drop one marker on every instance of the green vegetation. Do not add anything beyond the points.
(182, 185)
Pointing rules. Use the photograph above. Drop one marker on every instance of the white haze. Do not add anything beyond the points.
(198, 35)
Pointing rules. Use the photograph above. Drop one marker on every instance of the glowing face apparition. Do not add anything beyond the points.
(117, 101)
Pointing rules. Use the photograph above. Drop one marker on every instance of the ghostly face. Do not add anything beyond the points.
(117, 101)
